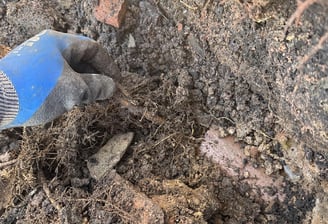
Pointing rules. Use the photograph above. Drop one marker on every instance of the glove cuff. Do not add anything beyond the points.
(9, 105)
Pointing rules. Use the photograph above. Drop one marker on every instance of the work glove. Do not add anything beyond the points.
(49, 74)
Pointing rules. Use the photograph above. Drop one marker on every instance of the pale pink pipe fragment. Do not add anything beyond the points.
(229, 156)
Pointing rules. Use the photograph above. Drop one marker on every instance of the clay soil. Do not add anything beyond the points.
(187, 67)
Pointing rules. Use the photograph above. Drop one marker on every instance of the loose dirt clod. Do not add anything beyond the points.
(122, 199)
(184, 203)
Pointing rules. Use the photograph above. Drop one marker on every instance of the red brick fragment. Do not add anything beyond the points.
(111, 12)
(180, 27)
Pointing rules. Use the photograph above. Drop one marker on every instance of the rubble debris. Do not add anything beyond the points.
(201, 201)
(111, 12)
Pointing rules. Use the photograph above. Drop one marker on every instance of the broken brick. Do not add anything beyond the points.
(111, 12)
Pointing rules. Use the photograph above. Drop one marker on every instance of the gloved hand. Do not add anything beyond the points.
(40, 79)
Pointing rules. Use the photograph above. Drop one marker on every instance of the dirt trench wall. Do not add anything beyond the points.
(267, 62)
(237, 54)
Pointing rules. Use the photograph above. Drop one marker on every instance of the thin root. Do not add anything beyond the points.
(301, 7)
(140, 111)
(204, 10)
(188, 6)
(136, 110)
(314, 50)
(48, 193)
(9, 163)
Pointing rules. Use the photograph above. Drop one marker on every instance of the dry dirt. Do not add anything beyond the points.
(189, 68)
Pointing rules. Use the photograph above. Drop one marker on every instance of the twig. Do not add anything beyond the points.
(223, 2)
(222, 118)
(122, 90)
(188, 6)
(164, 139)
(140, 111)
(47, 191)
(136, 110)
(161, 10)
(301, 7)
(203, 12)
(314, 50)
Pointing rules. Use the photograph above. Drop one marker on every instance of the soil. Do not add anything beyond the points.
(187, 67)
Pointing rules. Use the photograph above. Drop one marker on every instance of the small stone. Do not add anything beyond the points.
(198, 215)
(268, 168)
(211, 91)
(5, 157)
(109, 155)
(249, 140)
(258, 139)
(180, 27)
(247, 150)
(231, 130)
(132, 42)
(111, 12)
